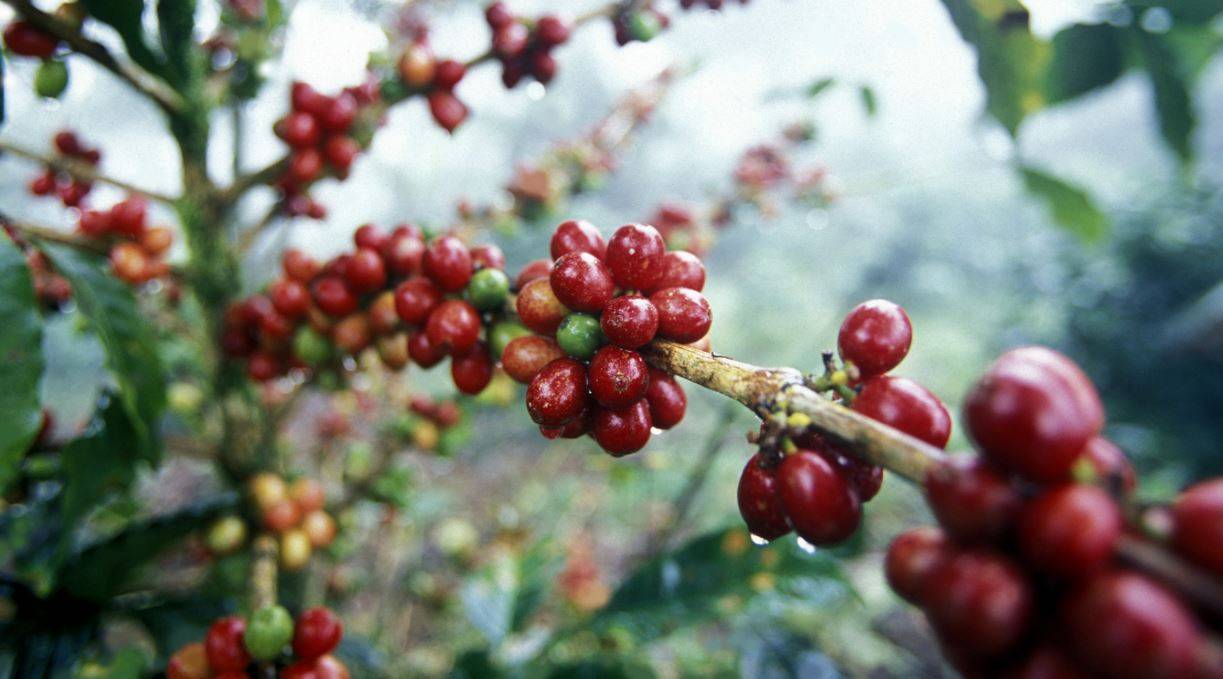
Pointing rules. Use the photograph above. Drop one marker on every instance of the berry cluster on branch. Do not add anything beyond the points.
(70, 190)
(239, 648)
(522, 48)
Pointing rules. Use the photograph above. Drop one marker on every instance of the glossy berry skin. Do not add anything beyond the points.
(582, 282)
(502, 333)
(1197, 517)
(539, 308)
(223, 645)
(300, 130)
(472, 370)
(1122, 624)
(579, 335)
(618, 377)
(365, 271)
(488, 256)
(912, 557)
(759, 501)
(448, 73)
(864, 477)
(299, 266)
(577, 235)
(24, 39)
(536, 268)
(340, 153)
(448, 263)
(189, 662)
(371, 236)
(629, 321)
(875, 336)
(901, 403)
(447, 110)
(681, 269)
(415, 299)
(973, 503)
(383, 317)
(324, 667)
(635, 256)
(268, 631)
(291, 299)
(1111, 466)
(404, 254)
(455, 325)
(980, 601)
(621, 431)
(488, 289)
(667, 399)
(332, 295)
(557, 394)
(822, 507)
(424, 353)
(262, 366)
(317, 632)
(1032, 413)
(524, 357)
(683, 314)
(1070, 531)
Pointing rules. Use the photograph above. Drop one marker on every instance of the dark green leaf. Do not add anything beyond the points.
(21, 360)
(1170, 86)
(1085, 57)
(603, 666)
(1072, 208)
(131, 353)
(126, 17)
(274, 13)
(870, 103)
(176, 25)
(97, 571)
(1192, 11)
(819, 87)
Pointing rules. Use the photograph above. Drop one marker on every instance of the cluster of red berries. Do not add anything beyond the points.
(24, 39)
(525, 50)
(444, 414)
(412, 300)
(420, 71)
(234, 644)
(70, 190)
(1020, 578)
(295, 513)
(51, 289)
(320, 131)
(799, 480)
(137, 250)
(593, 306)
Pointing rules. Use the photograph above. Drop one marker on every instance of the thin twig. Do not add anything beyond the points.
(82, 171)
(247, 240)
(45, 233)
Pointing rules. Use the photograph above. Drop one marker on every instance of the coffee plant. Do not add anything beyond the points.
(248, 496)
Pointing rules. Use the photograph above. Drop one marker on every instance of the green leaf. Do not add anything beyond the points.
(131, 353)
(1170, 87)
(126, 17)
(1010, 60)
(2, 80)
(176, 25)
(21, 360)
(819, 87)
(97, 571)
(870, 103)
(688, 584)
(1191, 11)
(1085, 57)
(1072, 208)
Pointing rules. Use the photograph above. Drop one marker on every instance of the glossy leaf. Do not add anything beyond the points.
(1170, 87)
(103, 460)
(21, 360)
(1071, 206)
(131, 352)
(1085, 57)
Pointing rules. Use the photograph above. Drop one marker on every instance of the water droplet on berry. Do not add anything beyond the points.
(806, 546)
(536, 91)
(759, 541)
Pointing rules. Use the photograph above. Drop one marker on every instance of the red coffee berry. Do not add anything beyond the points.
(303, 97)
(577, 235)
(223, 645)
(43, 184)
(635, 256)
(973, 503)
(667, 399)
(371, 236)
(1197, 529)
(498, 15)
(618, 377)
(1070, 531)
(383, 316)
(864, 477)
(298, 265)
(681, 269)
(582, 282)
(524, 357)
(875, 336)
(352, 334)
(317, 632)
(305, 165)
(822, 507)
(425, 353)
(510, 40)
(447, 73)
(275, 326)
(551, 30)
(455, 325)
(340, 114)
(979, 601)
(23, 38)
(557, 394)
(332, 295)
(415, 298)
(1122, 624)
(1032, 413)
(759, 502)
(67, 143)
(300, 130)
(621, 431)
(629, 321)
(1110, 464)
(128, 216)
(340, 152)
(901, 403)
(912, 557)
(404, 254)
(683, 314)
(539, 268)
(538, 307)
(472, 370)
(262, 366)
(447, 110)
(448, 263)
(488, 256)
(365, 271)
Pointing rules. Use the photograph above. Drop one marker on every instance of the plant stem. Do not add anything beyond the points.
(81, 170)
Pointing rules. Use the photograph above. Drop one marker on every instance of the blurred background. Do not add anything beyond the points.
(1096, 228)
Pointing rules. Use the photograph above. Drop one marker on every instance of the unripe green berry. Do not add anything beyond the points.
(51, 79)
(488, 289)
(311, 347)
(270, 629)
(502, 334)
(579, 335)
